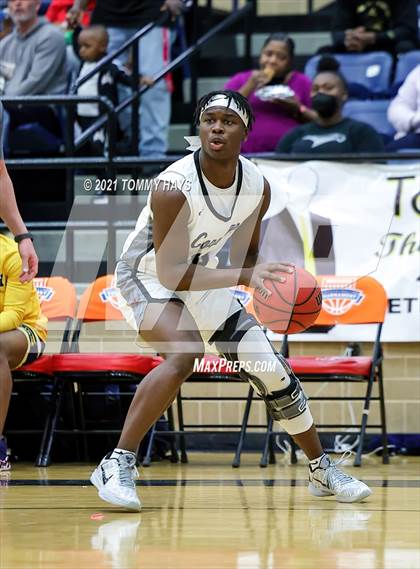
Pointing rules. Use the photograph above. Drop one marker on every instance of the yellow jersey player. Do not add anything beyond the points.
(23, 328)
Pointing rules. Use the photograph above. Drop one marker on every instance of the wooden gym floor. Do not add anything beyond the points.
(206, 515)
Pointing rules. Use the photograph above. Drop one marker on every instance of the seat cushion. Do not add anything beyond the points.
(129, 363)
(358, 366)
(41, 366)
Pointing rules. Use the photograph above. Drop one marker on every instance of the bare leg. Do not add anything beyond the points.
(13, 346)
(158, 389)
(309, 442)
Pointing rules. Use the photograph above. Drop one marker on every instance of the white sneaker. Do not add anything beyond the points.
(326, 479)
(115, 478)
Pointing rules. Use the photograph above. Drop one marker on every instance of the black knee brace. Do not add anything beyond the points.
(234, 329)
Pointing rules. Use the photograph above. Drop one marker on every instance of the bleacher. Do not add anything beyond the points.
(230, 51)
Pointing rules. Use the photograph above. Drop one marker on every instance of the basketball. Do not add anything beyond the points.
(293, 305)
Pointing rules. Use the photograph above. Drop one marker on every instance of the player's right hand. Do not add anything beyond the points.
(29, 261)
(257, 274)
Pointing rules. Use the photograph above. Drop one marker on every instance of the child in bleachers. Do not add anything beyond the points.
(22, 329)
(92, 44)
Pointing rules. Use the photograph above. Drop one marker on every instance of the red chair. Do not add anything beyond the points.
(98, 304)
(58, 302)
(351, 301)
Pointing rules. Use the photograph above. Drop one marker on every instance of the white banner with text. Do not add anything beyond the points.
(350, 220)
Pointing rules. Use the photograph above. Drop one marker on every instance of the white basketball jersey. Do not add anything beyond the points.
(213, 218)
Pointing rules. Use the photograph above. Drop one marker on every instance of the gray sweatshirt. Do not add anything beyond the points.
(33, 63)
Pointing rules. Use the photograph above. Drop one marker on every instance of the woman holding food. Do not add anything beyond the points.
(279, 96)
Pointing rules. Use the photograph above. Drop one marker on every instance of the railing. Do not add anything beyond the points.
(67, 101)
(133, 43)
(121, 161)
(89, 218)
(133, 99)
(110, 161)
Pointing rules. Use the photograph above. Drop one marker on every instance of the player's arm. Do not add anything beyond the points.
(170, 236)
(9, 213)
(16, 297)
(171, 241)
(246, 239)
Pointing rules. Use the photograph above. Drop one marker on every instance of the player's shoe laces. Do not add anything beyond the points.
(326, 479)
(4, 456)
(115, 478)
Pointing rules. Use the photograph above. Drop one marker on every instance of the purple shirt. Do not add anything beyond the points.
(271, 123)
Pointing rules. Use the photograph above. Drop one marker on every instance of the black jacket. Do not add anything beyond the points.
(393, 21)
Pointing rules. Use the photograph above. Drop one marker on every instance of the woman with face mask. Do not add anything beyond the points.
(330, 132)
(279, 95)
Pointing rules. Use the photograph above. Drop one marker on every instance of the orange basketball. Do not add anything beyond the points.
(293, 305)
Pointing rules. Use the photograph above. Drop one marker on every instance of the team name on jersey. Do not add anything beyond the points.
(200, 244)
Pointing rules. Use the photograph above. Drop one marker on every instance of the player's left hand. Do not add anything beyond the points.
(254, 277)
(29, 261)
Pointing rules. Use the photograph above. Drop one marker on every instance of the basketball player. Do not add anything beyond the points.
(23, 329)
(9, 213)
(178, 299)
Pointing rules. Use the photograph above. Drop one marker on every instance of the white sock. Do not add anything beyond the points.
(119, 451)
(319, 462)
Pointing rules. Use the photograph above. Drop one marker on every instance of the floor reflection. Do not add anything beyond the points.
(223, 525)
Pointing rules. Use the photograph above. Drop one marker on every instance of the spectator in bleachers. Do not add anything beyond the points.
(123, 20)
(33, 57)
(404, 113)
(278, 94)
(22, 329)
(57, 12)
(374, 25)
(91, 45)
(330, 132)
(32, 62)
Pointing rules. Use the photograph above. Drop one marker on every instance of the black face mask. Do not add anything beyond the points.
(325, 105)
